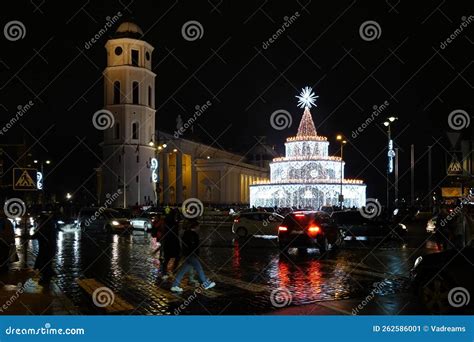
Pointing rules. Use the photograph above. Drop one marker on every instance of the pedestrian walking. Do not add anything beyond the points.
(170, 242)
(46, 236)
(7, 242)
(157, 232)
(191, 259)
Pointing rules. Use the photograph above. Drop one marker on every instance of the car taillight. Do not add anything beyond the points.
(314, 230)
(237, 220)
(282, 229)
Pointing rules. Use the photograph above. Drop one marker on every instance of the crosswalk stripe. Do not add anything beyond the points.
(117, 304)
(357, 269)
(156, 291)
(211, 293)
(252, 287)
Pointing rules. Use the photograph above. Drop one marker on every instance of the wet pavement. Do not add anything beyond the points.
(252, 276)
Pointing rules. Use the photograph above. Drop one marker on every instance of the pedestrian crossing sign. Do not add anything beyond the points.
(24, 179)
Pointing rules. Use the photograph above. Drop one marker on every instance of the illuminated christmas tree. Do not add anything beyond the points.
(307, 177)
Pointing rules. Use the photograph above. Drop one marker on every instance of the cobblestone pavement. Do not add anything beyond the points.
(252, 276)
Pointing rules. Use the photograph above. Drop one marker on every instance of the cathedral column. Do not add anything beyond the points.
(179, 177)
(166, 181)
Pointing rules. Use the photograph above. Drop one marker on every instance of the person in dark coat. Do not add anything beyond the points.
(46, 236)
(191, 259)
(170, 242)
(7, 239)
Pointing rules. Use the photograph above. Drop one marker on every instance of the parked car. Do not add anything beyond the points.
(103, 220)
(306, 229)
(256, 223)
(354, 224)
(440, 279)
(146, 220)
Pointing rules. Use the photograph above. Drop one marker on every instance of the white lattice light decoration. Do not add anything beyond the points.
(307, 177)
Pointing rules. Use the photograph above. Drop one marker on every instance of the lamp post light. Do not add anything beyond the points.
(342, 141)
(390, 155)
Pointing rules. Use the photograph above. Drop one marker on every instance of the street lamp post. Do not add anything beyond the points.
(342, 141)
(42, 166)
(390, 155)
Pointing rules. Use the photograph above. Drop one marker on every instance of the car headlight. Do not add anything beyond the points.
(60, 222)
(417, 261)
(401, 225)
(115, 223)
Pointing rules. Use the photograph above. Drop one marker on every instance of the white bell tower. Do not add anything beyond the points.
(129, 92)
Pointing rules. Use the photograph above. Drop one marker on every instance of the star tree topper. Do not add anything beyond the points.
(307, 98)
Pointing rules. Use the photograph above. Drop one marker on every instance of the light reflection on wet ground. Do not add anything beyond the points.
(246, 271)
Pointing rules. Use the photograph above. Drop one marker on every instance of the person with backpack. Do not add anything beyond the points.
(191, 261)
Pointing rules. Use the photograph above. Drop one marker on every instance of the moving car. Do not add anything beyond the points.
(354, 225)
(306, 229)
(443, 281)
(146, 220)
(103, 220)
(256, 223)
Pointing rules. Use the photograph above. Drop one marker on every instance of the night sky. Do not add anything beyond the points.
(244, 81)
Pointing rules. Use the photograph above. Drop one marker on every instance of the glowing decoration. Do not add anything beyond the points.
(307, 98)
(39, 180)
(391, 155)
(154, 168)
(307, 177)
